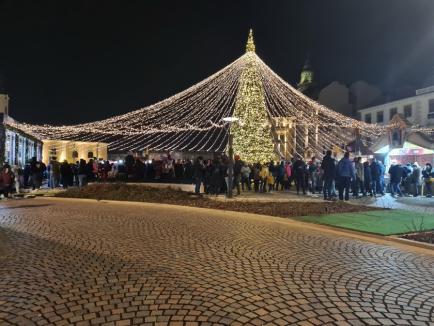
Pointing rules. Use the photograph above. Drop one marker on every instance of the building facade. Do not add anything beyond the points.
(404, 143)
(418, 109)
(72, 151)
(17, 147)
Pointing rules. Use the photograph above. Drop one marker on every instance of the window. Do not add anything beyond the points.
(89, 154)
(431, 109)
(368, 118)
(380, 117)
(392, 112)
(408, 111)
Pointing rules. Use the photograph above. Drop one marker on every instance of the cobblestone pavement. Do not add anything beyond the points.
(77, 262)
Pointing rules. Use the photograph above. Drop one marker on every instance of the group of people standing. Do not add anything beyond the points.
(76, 174)
(14, 178)
(34, 174)
(333, 178)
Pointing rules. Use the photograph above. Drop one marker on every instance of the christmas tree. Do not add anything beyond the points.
(252, 138)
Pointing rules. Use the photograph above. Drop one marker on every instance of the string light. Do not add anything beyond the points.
(192, 120)
(252, 134)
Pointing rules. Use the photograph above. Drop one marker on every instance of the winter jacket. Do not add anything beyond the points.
(65, 170)
(245, 171)
(280, 171)
(6, 178)
(367, 172)
(237, 167)
(375, 170)
(396, 172)
(264, 173)
(428, 174)
(345, 168)
(288, 170)
(328, 165)
(55, 168)
(199, 170)
(299, 168)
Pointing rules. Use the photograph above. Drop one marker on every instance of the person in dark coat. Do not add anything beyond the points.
(367, 178)
(198, 174)
(188, 171)
(89, 171)
(328, 165)
(27, 175)
(376, 172)
(82, 173)
(65, 174)
(217, 178)
(179, 170)
(6, 180)
(415, 179)
(299, 168)
(238, 164)
(37, 170)
(428, 177)
(395, 171)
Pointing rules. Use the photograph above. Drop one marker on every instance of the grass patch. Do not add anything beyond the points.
(141, 193)
(384, 222)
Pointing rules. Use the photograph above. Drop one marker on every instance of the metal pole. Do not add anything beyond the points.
(231, 166)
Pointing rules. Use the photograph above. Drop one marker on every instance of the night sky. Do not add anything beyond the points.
(82, 60)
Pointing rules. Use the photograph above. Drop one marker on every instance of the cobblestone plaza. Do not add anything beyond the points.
(68, 262)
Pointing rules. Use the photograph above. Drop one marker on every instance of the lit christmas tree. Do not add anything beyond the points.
(252, 138)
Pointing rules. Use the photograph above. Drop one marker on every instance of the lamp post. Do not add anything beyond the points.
(230, 120)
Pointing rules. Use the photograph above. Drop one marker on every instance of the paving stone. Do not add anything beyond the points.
(88, 263)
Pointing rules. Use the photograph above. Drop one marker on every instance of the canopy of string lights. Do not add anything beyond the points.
(193, 119)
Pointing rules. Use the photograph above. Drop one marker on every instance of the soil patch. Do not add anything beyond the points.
(427, 237)
(174, 196)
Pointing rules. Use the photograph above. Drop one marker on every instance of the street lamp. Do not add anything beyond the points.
(230, 120)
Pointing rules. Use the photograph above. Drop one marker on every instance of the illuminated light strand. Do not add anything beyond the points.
(192, 119)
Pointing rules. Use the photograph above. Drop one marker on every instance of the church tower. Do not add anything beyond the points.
(307, 83)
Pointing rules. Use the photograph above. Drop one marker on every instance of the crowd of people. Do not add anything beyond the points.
(14, 178)
(330, 177)
(35, 174)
